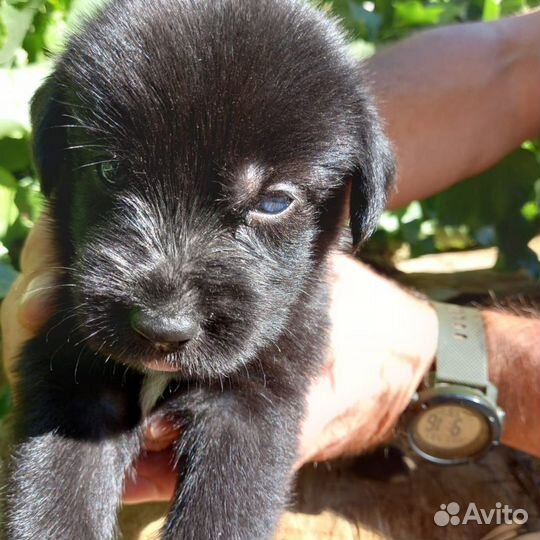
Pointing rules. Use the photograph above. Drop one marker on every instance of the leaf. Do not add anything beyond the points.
(492, 10)
(410, 13)
(18, 4)
(3, 33)
(14, 154)
(10, 128)
(60, 5)
(55, 32)
(8, 210)
(7, 276)
(7, 179)
(15, 237)
(29, 199)
(82, 9)
(452, 13)
(18, 20)
(530, 211)
(509, 7)
(493, 196)
(497, 199)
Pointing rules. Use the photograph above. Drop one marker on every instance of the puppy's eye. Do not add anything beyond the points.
(274, 203)
(108, 171)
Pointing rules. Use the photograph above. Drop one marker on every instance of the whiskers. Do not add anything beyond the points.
(95, 164)
(66, 315)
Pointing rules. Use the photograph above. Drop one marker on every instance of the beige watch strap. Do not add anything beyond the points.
(461, 352)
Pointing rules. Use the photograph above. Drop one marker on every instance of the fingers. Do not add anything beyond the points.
(154, 478)
(37, 252)
(25, 310)
(13, 333)
(39, 277)
(158, 434)
(28, 304)
(35, 305)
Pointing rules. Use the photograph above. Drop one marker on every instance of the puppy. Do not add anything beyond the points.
(196, 156)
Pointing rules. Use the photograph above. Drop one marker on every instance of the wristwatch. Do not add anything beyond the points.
(454, 417)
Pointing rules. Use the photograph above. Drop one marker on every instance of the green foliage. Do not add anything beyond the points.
(20, 204)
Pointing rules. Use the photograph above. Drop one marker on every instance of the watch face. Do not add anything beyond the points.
(450, 432)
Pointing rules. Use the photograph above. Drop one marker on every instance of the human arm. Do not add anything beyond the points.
(381, 352)
(457, 99)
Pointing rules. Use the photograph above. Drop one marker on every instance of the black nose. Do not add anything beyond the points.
(165, 332)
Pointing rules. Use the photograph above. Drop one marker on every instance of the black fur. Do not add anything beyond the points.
(200, 107)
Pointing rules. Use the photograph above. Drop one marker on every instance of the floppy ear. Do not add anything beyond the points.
(49, 135)
(371, 180)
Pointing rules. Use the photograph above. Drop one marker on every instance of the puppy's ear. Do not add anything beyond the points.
(371, 180)
(49, 135)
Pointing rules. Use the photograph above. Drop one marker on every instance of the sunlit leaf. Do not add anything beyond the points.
(492, 10)
(3, 33)
(8, 209)
(29, 199)
(18, 20)
(414, 13)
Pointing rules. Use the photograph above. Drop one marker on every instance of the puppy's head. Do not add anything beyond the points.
(196, 155)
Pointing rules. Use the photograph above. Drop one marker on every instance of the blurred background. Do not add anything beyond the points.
(471, 216)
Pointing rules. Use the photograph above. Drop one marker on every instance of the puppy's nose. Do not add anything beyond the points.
(165, 332)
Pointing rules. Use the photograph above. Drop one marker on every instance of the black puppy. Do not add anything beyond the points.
(196, 156)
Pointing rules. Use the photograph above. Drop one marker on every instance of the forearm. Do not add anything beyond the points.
(458, 99)
(514, 367)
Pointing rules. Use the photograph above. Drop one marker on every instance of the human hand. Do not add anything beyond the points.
(28, 304)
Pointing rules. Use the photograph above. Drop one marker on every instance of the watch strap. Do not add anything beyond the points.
(461, 352)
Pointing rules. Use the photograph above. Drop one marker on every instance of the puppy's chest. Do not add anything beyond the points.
(153, 387)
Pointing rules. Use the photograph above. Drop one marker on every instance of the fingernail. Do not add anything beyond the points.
(158, 428)
(155, 429)
(159, 434)
(35, 304)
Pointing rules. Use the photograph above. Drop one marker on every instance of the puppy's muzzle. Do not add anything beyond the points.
(165, 332)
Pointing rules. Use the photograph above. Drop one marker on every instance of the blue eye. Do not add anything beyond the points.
(274, 203)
